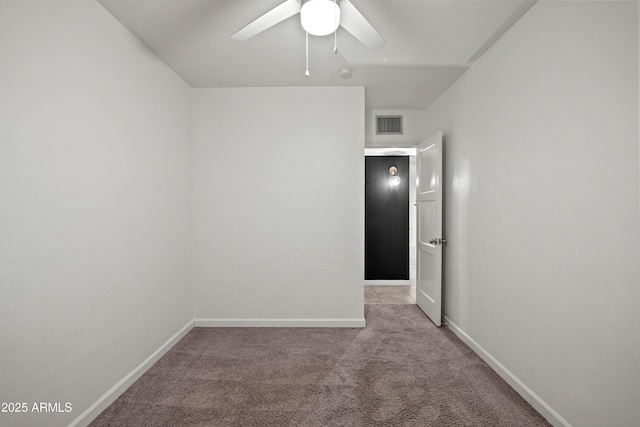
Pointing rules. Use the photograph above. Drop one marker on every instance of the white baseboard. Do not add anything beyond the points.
(534, 400)
(110, 396)
(387, 282)
(281, 323)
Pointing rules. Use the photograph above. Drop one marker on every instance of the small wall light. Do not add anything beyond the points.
(395, 179)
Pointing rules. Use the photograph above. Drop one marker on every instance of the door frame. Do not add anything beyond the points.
(411, 152)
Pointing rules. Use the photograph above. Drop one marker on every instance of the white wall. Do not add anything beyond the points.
(95, 205)
(278, 229)
(412, 129)
(543, 262)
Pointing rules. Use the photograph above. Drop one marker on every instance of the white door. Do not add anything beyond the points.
(430, 240)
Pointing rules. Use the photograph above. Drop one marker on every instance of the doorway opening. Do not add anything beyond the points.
(390, 226)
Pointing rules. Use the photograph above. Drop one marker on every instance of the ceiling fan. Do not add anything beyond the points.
(318, 18)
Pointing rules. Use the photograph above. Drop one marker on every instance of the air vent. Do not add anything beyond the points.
(388, 125)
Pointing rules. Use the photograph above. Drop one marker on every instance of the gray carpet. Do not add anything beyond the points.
(398, 371)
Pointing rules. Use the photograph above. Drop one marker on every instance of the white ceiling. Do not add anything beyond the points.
(430, 43)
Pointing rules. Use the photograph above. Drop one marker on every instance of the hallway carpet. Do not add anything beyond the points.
(400, 370)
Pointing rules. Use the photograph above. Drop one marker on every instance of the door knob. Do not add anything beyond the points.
(433, 241)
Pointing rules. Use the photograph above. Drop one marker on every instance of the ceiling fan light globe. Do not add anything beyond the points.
(320, 17)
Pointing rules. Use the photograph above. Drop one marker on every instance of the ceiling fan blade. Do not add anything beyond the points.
(268, 20)
(352, 20)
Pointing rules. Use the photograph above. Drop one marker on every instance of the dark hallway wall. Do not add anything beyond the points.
(386, 219)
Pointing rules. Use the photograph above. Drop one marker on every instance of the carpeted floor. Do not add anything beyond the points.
(398, 371)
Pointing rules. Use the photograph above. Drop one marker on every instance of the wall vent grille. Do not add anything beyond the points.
(388, 125)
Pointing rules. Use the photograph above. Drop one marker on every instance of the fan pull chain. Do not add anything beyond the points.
(307, 55)
(335, 22)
